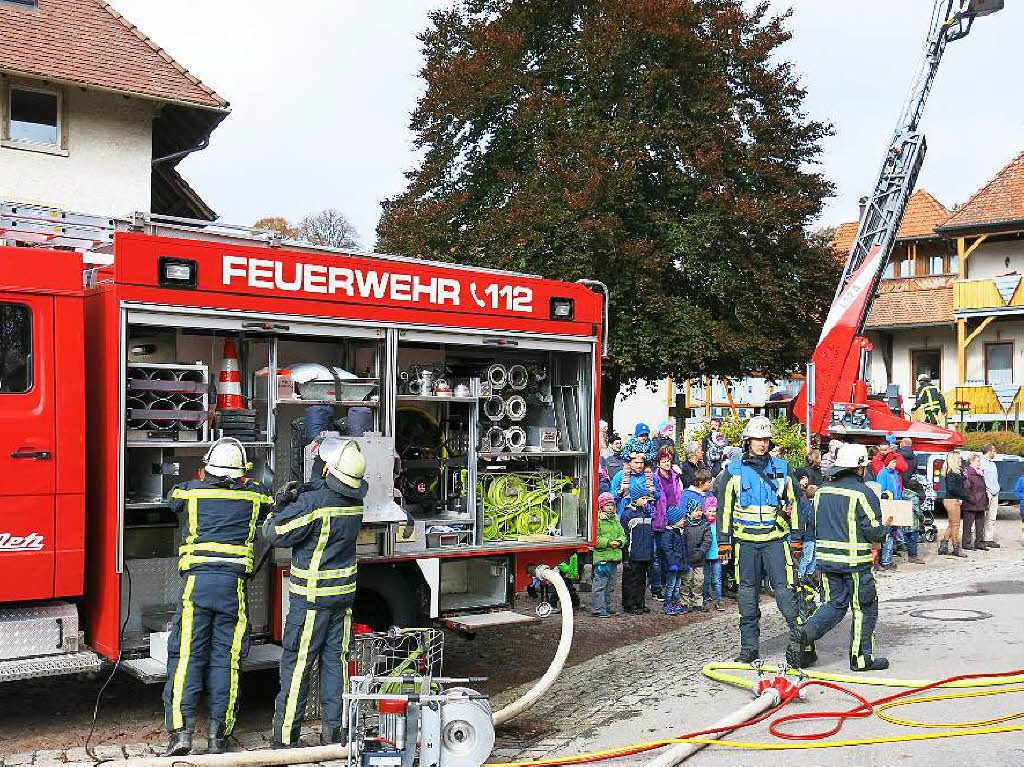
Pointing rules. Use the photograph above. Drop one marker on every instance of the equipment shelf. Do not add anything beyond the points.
(341, 403)
(196, 445)
(435, 398)
(533, 454)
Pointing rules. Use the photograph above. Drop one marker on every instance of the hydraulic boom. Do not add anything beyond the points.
(840, 403)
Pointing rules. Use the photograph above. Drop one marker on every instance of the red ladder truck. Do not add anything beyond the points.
(834, 402)
(473, 393)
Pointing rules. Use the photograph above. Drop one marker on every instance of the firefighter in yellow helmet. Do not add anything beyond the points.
(929, 399)
(757, 512)
(320, 526)
(210, 634)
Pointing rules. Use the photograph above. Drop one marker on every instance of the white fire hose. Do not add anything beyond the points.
(512, 710)
(683, 751)
(301, 755)
(305, 755)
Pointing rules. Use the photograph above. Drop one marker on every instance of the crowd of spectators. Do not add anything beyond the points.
(659, 509)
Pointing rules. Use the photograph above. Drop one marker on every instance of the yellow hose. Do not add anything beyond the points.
(716, 672)
(980, 723)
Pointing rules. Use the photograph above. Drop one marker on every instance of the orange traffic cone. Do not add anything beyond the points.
(229, 384)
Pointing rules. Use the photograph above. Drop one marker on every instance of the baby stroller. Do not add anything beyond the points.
(929, 530)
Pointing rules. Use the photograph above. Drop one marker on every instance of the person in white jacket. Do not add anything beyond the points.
(988, 467)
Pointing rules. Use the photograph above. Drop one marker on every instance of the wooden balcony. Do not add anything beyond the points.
(989, 295)
(986, 402)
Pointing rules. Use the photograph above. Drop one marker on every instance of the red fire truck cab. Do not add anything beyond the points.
(472, 392)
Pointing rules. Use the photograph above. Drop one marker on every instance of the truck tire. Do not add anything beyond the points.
(385, 598)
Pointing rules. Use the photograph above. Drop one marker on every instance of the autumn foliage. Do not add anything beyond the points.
(657, 146)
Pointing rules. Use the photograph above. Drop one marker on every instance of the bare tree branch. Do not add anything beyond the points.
(331, 228)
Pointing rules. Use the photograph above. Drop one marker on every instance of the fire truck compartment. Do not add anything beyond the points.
(427, 407)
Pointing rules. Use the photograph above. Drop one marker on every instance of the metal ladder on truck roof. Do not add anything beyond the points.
(38, 225)
(42, 226)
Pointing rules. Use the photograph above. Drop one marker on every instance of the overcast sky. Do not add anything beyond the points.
(321, 92)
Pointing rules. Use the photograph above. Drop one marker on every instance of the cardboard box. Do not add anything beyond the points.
(902, 512)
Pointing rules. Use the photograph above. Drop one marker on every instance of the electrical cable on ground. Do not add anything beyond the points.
(113, 671)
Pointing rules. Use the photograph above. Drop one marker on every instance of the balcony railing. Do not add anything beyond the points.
(989, 293)
(985, 400)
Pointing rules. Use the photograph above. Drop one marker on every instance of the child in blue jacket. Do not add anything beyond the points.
(636, 521)
(675, 560)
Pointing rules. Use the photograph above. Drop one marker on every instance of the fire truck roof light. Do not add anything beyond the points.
(177, 272)
(562, 308)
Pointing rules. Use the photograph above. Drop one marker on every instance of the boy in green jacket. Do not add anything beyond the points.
(611, 539)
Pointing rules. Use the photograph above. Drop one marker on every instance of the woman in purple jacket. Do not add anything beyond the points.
(671, 491)
(975, 505)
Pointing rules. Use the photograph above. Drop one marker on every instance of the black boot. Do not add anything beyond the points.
(180, 743)
(795, 649)
(876, 664)
(943, 547)
(747, 656)
(217, 739)
(810, 655)
(958, 552)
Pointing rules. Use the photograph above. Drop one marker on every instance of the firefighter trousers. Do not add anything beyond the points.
(209, 639)
(842, 591)
(312, 634)
(753, 560)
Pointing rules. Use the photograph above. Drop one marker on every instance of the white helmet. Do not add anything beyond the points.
(226, 458)
(923, 377)
(345, 460)
(851, 456)
(758, 427)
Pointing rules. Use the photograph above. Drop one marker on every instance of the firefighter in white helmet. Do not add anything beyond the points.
(758, 509)
(848, 519)
(320, 526)
(210, 634)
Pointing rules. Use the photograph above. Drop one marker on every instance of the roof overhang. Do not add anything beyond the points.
(1005, 226)
(908, 326)
(224, 110)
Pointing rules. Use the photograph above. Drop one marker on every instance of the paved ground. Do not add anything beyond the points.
(644, 692)
(650, 685)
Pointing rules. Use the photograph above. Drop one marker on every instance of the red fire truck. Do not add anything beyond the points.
(472, 391)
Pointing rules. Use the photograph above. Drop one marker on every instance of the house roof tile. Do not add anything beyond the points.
(1000, 200)
(923, 214)
(911, 307)
(88, 42)
(843, 238)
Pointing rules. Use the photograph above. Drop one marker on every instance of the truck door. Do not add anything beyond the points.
(27, 430)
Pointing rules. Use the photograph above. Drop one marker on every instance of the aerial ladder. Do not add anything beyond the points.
(837, 381)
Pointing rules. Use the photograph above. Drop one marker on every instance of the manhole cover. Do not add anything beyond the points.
(951, 614)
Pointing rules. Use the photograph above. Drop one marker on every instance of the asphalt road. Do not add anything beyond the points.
(935, 621)
(638, 677)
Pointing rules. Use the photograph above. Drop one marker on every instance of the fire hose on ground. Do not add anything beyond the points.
(312, 754)
(783, 692)
(552, 576)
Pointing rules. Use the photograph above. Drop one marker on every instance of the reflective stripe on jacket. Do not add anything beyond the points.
(929, 398)
(751, 506)
(847, 520)
(222, 520)
(321, 528)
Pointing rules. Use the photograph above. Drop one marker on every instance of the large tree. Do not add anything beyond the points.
(657, 145)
